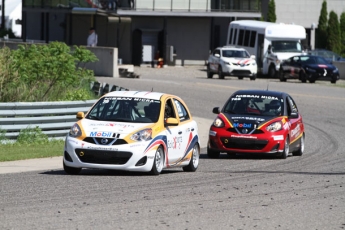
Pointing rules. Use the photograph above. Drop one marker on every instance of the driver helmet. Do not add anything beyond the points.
(275, 106)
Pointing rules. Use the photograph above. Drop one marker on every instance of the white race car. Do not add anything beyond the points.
(133, 131)
(230, 61)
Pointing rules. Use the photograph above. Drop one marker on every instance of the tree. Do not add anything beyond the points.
(342, 33)
(333, 39)
(321, 32)
(271, 14)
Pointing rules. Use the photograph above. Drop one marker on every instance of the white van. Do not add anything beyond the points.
(271, 43)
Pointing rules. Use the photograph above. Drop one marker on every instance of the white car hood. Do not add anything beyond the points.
(109, 128)
(240, 61)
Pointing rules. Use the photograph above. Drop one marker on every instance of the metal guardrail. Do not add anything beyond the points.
(53, 118)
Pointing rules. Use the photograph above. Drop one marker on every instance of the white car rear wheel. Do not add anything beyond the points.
(194, 161)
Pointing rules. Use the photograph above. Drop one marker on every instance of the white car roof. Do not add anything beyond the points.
(141, 94)
(231, 48)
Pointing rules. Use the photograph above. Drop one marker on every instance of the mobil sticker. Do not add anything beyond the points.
(242, 125)
(101, 134)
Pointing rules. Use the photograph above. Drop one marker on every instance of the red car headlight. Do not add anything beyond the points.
(275, 126)
(218, 123)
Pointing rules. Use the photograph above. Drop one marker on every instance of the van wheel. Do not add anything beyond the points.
(209, 73)
(220, 72)
(281, 76)
(272, 73)
(240, 78)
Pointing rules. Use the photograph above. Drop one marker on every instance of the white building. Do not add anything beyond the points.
(13, 16)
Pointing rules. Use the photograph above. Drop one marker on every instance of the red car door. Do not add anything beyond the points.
(296, 125)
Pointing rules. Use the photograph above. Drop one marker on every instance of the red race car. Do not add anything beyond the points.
(257, 121)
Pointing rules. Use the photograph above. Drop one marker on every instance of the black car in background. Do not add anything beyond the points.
(308, 67)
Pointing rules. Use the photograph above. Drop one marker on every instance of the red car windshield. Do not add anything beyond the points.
(254, 104)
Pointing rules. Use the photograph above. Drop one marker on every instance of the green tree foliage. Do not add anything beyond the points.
(333, 39)
(7, 32)
(44, 72)
(321, 32)
(271, 14)
(342, 33)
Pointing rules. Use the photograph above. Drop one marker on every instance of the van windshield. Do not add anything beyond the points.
(286, 46)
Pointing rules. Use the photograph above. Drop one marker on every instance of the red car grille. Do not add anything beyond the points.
(243, 143)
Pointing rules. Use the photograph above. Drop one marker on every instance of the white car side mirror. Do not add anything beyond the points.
(252, 57)
(217, 55)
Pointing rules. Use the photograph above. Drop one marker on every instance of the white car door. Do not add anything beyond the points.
(214, 60)
(186, 129)
(173, 134)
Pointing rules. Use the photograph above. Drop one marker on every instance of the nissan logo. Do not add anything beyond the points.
(104, 141)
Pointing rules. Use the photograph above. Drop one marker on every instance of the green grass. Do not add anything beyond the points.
(13, 152)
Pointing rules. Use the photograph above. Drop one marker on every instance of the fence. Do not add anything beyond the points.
(53, 118)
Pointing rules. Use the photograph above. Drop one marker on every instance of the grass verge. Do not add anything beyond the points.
(14, 152)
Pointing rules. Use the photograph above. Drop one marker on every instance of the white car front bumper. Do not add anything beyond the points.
(127, 157)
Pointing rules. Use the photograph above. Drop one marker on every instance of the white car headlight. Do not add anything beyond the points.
(276, 126)
(218, 122)
(143, 135)
(75, 131)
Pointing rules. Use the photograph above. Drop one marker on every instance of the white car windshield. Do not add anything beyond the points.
(286, 46)
(125, 109)
(235, 53)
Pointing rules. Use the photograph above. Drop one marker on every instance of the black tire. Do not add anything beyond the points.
(158, 162)
(194, 161)
(300, 150)
(220, 72)
(281, 76)
(303, 77)
(272, 73)
(312, 80)
(240, 78)
(209, 73)
(253, 78)
(212, 154)
(71, 170)
(286, 151)
(334, 80)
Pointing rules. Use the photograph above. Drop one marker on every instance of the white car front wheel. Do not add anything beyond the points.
(158, 162)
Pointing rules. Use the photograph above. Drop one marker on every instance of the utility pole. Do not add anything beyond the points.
(2, 15)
